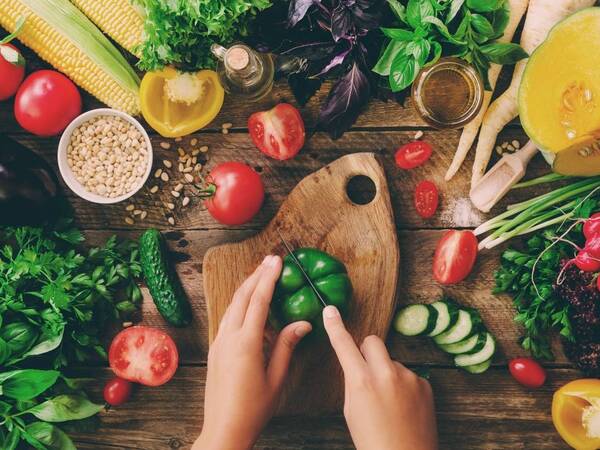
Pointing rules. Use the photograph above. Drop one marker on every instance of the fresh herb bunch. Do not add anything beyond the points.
(539, 309)
(428, 29)
(55, 300)
(337, 39)
(180, 32)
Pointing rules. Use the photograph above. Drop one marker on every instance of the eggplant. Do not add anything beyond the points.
(29, 188)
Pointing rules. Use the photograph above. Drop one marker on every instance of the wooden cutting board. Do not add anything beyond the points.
(319, 213)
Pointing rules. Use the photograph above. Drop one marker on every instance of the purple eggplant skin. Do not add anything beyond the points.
(28, 186)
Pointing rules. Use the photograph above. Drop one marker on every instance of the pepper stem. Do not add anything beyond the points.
(209, 191)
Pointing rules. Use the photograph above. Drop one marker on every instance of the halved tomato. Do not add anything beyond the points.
(426, 199)
(413, 154)
(278, 132)
(454, 257)
(144, 355)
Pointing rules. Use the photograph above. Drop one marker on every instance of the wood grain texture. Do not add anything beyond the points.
(318, 213)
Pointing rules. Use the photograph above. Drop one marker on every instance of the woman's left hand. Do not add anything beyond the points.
(242, 389)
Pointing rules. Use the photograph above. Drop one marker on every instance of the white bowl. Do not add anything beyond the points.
(68, 175)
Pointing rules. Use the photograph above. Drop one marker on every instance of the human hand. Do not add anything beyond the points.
(242, 389)
(386, 405)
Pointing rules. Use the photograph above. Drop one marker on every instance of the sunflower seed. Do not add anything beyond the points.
(189, 178)
(185, 201)
(165, 145)
(130, 208)
(164, 176)
(154, 189)
(168, 164)
(129, 221)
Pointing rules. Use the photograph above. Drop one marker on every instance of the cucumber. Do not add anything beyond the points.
(479, 368)
(415, 320)
(481, 356)
(162, 281)
(471, 344)
(447, 317)
(468, 321)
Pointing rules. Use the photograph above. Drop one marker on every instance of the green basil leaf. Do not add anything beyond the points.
(398, 9)
(387, 58)
(33, 442)
(499, 20)
(463, 27)
(66, 407)
(4, 351)
(503, 53)
(50, 435)
(420, 50)
(485, 5)
(417, 10)
(12, 439)
(19, 336)
(404, 71)
(77, 383)
(45, 346)
(482, 25)
(398, 34)
(27, 383)
(454, 9)
(437, 52)
(443, 29)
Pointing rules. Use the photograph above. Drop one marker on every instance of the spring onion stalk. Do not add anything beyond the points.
(549, 178)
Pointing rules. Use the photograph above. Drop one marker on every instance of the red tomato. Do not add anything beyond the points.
(117, 391)
(144, 355)
(527, 371)
(413, 154)
(454, 257)
(46, 103)
(237, 193)
(426, 199)
(591, 227)
(12, 70)
(278, 132)
(586, 262)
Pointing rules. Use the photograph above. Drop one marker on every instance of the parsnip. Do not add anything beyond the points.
(542, 15)
(469, 133)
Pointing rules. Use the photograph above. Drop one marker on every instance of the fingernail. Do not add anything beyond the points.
(302, 329)
(272, 262)
(329, 312)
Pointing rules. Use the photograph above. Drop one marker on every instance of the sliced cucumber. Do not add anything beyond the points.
(471, 344)
(468, 321)
(481, 356)
(447, 317)
(415, 320)
(479, 368)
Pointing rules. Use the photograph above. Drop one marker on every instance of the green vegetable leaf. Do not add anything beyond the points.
(398, 9)
(403, 72)
(50, 435)
(398, 34)
(443, 29)
(482, 26)
(485, 5)
(503, 53)
(455, 7)
(66, 407)
(11, 440)
(417, 11)
(27, 383)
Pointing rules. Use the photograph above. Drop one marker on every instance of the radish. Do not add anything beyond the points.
(542, 15)
(592, 246)
(587, 262)
(591, 227)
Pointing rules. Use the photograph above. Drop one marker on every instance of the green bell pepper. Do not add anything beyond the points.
(294, 298)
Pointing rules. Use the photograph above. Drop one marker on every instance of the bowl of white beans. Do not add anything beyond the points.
(105, 156)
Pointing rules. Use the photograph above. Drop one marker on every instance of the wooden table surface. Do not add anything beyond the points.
(487, 411)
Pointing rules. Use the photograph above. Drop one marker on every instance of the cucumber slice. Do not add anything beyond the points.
(471, 344)
(479, 368)
(415, 320)
(447, 317)
(481, 356)
(468, 321)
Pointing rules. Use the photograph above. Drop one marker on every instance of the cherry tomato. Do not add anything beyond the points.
(46, 103)
(143, 355)
(586, 262)
(591, 227)
(117, 391)
(455, 256)
(426, 199)
(237, 193)
(527, 371)
(12, 70)
(413, 154)
(278, 132)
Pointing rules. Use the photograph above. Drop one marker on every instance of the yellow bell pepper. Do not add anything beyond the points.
(176, 103)
(576, 413)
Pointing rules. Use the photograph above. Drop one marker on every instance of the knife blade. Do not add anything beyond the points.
(299, 265)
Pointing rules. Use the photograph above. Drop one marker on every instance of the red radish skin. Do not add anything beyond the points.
(591, 227)
(586, 262)
(592, 246)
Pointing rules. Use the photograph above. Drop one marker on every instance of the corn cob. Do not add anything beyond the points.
(66, 39)
(117, 18)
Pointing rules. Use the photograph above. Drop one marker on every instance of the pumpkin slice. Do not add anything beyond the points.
(559, 97)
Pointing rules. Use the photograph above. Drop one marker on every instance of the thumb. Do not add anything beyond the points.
(285, 344)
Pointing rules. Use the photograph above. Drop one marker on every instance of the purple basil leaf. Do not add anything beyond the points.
(341, 22)
(298, 9)
(336, 61)
(347, 98)
(303, 88)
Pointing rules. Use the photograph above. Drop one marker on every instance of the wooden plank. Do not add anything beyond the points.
(489, 411)
(415, 285)
(281, 176)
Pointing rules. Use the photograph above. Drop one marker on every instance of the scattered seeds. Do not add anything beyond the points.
(129, 221)
(181, 167)
(127, 324)
(189, 178)
(225, 131)
(171, 206)
(175, 194)
(177, 139)
(137, 212)
(198, 167)
(165, 145)
(499, 149)
(195, 152)
(504, 144)
(158, 173)
(168, 164)
(204, 148)
(193, 142)
(185, 201)
(227, 125)
(418, 135)
(171, 221)
(188, 169)
(154, 189)
(164, 176)
(179, 187)
(510, 148)
(194, 160)
(144, 215)
(516, 144)
(181, 151)
(130, 207)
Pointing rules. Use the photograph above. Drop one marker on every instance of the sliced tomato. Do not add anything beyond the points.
(426, 199)
(413, 154)
(12, 70)
(278, 132)
(454, 257)
(143, 355)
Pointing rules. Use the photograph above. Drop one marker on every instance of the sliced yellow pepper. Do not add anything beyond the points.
(576, 413)
(176, 104)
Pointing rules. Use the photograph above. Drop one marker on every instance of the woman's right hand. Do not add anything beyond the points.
(387, 406)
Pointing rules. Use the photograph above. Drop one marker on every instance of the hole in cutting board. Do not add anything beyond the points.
(361, 190)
